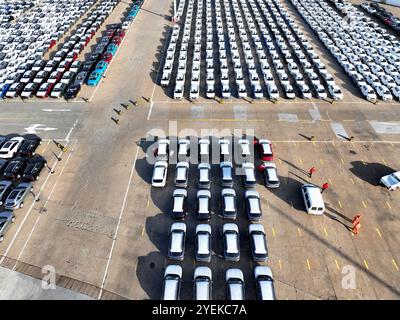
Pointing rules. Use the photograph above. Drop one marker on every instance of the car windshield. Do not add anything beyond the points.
(2, 222)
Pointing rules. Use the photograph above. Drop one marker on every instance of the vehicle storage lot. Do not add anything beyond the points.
(101, 187)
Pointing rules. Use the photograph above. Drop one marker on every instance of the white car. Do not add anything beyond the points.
(178, 92)
(335, 92)
(305, 91)
(241, 88)
(234, 284)
(58, 90)
(10, 147)
(202, 283)
(226, 93)
(210, 91)
(273, 92)
(368, 92)
(194, 91)
(258, 93)
(383, 93)
(396, 92)
(289, 91)
(160, 172)
(391, 181)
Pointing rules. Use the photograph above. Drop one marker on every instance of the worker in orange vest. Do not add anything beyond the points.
(356, 223)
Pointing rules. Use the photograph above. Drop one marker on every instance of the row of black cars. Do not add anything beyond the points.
(19, 167)
(382, 14)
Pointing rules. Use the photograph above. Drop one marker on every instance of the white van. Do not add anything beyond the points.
(313, 200)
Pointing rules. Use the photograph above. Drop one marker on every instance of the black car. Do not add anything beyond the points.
(72, 91)
(29, 147)
(15, 168)
(88, 66)
(3, 165)
(94, 57)
(34, 167)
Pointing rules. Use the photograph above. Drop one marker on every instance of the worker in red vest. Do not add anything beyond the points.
(324, 187)
(311, 171)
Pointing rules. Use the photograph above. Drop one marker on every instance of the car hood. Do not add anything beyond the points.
(389, 181)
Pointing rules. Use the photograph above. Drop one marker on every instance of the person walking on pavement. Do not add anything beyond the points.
(324, 187)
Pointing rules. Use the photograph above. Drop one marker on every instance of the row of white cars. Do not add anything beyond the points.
(36, 31)
(367, 53)
(261, 25)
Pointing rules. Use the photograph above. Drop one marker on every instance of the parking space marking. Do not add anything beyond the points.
(388, 205)
(299, 231)
(321, 161)
(342, 160)
(119, 222)
(352, 181)
(337, 265)
(330, 181)
(378, 232)
(326, 232)
(300, 161)
(308, 264)
(340, 204)
(273, 232)
(395, 265)
(366, 264)
(143, 229)
(280, 264)
(365, 206)
(383, 160)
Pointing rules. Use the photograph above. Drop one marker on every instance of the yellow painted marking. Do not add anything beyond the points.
(273, 232)
(352, 181)
(326, 232)
(280, 264)
(299, 232)
(366, 264)
(148, 202)
(143, 231)
(388, 205)
(308, 264)
(379, 233)
(330, 181)
(340, 204)
(383, 160)
(342, 160)
(363, 162)
(395, 265)
(321, 161)
(313, 143)
(337, 265)
(300, 161)
(280, 161)
(365, 206)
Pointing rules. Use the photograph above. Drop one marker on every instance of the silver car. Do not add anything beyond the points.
(5, 187)
(6, 218)
(15, 199)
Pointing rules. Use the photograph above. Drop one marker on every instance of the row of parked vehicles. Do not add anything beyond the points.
(203, 283)
(12, 9)
(382, 14)
(203, 232)
(108, 44)
(265, 30)
(34, 33)
(63, 75)
(20, 166)
(367, 53)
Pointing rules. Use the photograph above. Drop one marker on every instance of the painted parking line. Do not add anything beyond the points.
(337, 265)
(366, 264)
(364, 204)
(325, 232)
(321, 161)
(340, 204)
(273, 232)
(342, 160)
(388, 205)
(308, 264)
(352, 181)
(378, 232)
(280, 264)
(395, 265)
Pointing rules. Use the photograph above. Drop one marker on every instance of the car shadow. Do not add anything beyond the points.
(370, 172)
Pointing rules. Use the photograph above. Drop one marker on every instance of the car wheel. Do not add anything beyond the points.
(21, 205)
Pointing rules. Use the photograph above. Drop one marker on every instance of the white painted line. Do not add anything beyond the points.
(72, 129)
(44, 206)
(29, 211)
(150, 110)
(56, 110)
(119, 221)
(339, 130)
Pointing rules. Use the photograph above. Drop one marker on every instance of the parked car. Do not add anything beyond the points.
(6, 218)
(177, 237)
(182, 174)
(230, 233)
(248, 175)
(204, 175)
(15, 199)
(203, 205)
(259, 250)
(179, 210)
(264, 283)
(29, 146)
(234, 284)
(202, 283)
(34, 166)
(391, 181)
(11, 147)
(5, 188)
(270, 173)
(265, 149)
(160, 172)
(253, 205)
(172, 282)
(226, 172)
(228, 203)
(203, 243)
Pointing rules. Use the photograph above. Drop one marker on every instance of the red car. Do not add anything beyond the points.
(52, 44)
(116, 40)
(107, 56)
(110, 33)
(120, 33)
(265, 148)
(44, 90)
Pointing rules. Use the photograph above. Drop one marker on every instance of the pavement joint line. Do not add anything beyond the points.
(29, 210)
(379, 233)
(44, 206)
(119, 222)
(395, 264)
(388, 205)
(366, 264)
(337, 265)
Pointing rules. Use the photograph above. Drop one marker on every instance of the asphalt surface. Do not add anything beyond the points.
(100, 224)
